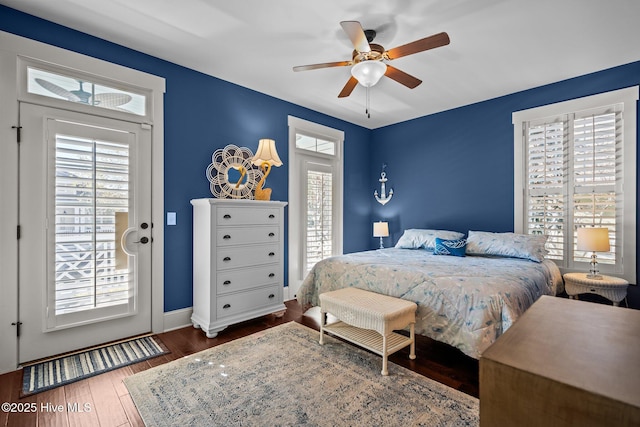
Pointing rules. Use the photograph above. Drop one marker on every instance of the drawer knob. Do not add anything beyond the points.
(272, 254)
(272, 216)
(272, 234)
(227, 282)
(226, 306)
(271, 296)
(226, 237)
(226, 259)
(226, 216)
(272, 274)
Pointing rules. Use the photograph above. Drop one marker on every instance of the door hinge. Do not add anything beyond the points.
(19, 234)
(18, 132)
(17, 325)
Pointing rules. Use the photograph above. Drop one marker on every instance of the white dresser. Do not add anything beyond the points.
(238, 261)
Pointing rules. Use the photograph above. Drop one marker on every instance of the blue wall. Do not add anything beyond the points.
(454, 169)
(450, 170)
(202, 114)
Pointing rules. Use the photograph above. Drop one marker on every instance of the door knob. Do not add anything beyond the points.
(143, 240)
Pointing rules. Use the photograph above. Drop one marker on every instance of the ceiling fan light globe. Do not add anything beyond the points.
(368, 73)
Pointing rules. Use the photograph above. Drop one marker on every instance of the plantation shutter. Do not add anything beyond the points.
(546, 183)
(597, 161)
(574, 179)
(91, 188)
(319, 217)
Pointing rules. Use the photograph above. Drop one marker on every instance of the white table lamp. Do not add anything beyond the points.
(266, 156)
(381, 229)
(594, 240)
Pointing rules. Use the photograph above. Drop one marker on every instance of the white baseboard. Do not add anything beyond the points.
(177, 319)
(288, 295)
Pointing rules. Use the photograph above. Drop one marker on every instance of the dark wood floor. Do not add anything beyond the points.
(108, 402)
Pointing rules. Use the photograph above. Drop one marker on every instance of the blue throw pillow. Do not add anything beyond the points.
(450, 247)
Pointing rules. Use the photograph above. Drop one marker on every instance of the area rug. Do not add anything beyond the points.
(283, 377)
(69, 368)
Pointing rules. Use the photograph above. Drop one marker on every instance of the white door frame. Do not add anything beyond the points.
(11, 48)
(296, 195)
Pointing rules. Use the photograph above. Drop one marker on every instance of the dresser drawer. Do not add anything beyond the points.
(240, 280)
(229, 305)
(241, 236)
(234, 257)
(248, 215)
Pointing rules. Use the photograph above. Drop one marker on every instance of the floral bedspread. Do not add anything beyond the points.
(467, 302)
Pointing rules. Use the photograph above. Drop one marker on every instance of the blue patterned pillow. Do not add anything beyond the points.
(450, 247)
(416, 238)
(514, 245)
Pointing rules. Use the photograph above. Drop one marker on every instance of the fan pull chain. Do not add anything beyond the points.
(366, 111)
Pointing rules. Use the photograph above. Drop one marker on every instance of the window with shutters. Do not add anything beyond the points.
(575, 166)
(315, 197)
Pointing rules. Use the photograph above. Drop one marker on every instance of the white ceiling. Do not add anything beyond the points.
(497, 46)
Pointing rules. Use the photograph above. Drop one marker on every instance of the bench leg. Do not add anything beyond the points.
(384, 356)
(323, 321)
(412, 335)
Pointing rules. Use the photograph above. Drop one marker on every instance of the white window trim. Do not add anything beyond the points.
(629, 97)
(296, 194)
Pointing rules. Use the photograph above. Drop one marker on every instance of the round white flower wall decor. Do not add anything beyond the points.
(231, 174)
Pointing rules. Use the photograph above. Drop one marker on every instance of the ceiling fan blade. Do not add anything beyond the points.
(348, 88)
(323, 65)
(436, 40)
(401, 77)
(356, 35)
(111, 100)
(54, 88)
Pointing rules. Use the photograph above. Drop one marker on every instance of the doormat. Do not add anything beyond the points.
(69, 368)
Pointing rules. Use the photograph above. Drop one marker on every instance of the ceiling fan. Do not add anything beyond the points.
(369, 59)
(110, 100)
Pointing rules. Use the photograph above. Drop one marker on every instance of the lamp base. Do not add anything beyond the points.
(381, 245)
(263, 194)
(594, 273)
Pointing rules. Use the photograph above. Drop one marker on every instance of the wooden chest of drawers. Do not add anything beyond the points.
(564, 363)
(238, 261)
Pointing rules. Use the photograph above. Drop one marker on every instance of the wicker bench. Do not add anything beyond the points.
(368, 319)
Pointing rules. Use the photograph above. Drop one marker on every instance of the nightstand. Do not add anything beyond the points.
(612, 288)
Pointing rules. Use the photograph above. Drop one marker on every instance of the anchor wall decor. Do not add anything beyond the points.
(383, 198)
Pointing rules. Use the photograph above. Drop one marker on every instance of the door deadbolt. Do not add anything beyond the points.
(144, 225)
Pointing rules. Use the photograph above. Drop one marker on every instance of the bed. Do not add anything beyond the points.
(466, 301)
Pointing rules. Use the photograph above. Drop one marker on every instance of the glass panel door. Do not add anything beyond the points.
(319, 202)
(85, 253)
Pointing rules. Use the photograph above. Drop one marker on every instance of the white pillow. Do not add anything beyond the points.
(527, 246)
(415, 238)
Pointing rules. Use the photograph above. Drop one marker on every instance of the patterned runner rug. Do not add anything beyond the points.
(69, 368)
(283, 376)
